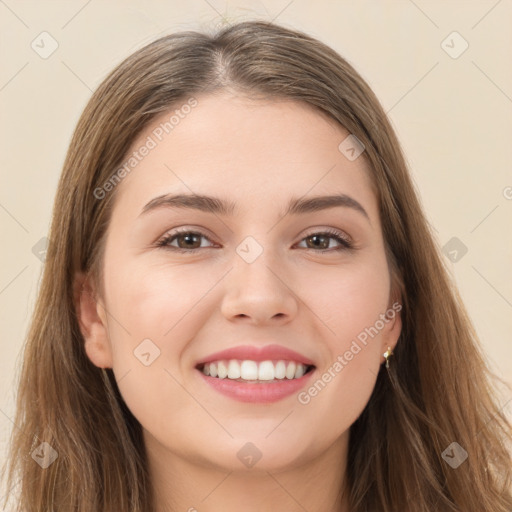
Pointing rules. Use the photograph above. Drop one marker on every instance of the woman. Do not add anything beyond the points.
(243, 306)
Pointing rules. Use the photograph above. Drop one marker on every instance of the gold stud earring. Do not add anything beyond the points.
(386, 354)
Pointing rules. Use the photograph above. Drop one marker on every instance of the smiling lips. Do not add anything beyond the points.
(248, 370)
(256, 374)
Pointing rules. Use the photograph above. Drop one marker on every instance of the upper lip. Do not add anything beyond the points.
(253, 353)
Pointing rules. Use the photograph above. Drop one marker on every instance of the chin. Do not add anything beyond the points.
(258, 454)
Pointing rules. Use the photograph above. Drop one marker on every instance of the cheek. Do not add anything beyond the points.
(350, 303)
(157, 301)
(350, 298)
(161, 304)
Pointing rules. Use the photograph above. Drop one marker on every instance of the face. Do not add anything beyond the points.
(254, 278)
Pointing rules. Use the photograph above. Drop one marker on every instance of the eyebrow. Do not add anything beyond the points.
(219, 206)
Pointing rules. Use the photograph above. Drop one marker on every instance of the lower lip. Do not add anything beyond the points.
(265, 392)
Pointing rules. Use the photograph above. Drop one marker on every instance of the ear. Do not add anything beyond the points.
(92, 320)
(393, 327)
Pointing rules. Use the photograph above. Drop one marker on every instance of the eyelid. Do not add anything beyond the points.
(329, 231)
(163, 241)
(346, 242)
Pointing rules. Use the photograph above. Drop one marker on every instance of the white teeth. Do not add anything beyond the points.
(249, 370)
(266, 371)
(222, 371)
(290, 371)
(299, 372)
(252, 370)
(280, 370)
(233, 370)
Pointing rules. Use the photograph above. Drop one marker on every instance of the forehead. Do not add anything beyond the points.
(257, 152)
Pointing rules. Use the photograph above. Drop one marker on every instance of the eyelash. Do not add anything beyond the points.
(345, 243)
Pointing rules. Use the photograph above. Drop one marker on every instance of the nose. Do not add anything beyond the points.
(259, 292)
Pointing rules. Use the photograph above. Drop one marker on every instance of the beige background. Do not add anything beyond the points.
(452, 115)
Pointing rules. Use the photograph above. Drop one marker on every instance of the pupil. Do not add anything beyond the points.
(316, 237)
(188, 238)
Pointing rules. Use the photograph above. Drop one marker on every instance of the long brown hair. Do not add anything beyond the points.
(438, 390)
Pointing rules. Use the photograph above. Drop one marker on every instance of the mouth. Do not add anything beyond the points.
(255, 372)
(258, 374)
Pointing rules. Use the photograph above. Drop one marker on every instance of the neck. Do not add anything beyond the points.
(186, 485)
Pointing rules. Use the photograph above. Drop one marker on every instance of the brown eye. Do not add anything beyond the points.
(321, 241)
(189, 240)
(186, 241)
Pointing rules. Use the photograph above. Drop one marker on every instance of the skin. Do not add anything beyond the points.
(258, 154)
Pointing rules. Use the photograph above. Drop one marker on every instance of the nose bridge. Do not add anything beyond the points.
(255, 287)
(255, 264)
